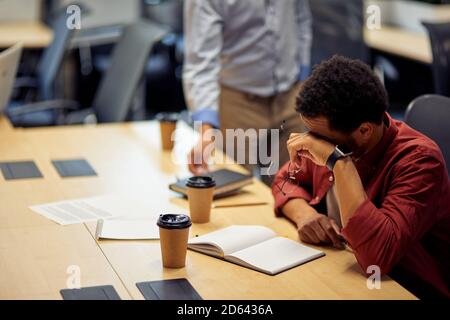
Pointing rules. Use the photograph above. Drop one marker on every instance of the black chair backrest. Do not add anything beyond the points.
(338, 29)
(440, 43)
(430, 114)
(118, 86)
(53, 56)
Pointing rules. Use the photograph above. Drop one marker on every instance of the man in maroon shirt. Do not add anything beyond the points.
(361, 177)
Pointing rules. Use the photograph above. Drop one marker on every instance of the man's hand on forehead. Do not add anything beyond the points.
(310, 146)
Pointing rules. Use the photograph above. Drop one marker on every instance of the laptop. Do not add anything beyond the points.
(227, 183)
(9, 61)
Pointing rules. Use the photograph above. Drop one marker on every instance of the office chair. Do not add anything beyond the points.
(163, 83)
(440, 42)
(430, 115)
(167, 58)
(44, 81)
(337, 29)
(165, 12)
(44, 85)
(116, 91)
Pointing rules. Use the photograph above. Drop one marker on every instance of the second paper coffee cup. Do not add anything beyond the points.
(174, 234)
(168, 125)
(200, 191)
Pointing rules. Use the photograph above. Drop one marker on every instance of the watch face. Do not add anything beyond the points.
(344, 150)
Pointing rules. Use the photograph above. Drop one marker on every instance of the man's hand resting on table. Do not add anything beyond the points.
(312, 227)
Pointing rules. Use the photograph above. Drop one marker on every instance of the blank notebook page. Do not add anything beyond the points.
(235, 238)
(277, 254)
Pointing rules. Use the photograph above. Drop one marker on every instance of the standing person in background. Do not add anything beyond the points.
(244, 61)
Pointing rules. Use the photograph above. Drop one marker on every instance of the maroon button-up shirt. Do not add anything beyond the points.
(404, 225)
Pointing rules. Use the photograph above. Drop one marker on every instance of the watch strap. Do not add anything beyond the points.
(333, 158)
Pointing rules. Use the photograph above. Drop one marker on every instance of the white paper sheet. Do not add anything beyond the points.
(127, 229)
(106, 207)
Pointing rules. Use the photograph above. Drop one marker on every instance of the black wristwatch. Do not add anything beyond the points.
(339, 152)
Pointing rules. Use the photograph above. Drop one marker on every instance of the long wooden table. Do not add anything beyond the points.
(35, 252)
(399, 42)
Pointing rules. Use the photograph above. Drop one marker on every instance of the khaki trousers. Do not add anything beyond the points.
(245, 111)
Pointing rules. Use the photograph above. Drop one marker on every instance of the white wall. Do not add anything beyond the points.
(108, 12)
(20, 10)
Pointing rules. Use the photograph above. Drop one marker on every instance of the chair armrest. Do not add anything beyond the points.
(25, 82)
(85, 116)
(61, 105)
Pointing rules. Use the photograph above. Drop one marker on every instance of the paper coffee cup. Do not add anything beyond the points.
(168, 125)
(174, 234)
(200, 191)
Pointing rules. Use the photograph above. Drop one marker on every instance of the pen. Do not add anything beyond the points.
(235, 205)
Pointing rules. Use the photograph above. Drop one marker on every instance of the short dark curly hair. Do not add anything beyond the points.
(344, 91)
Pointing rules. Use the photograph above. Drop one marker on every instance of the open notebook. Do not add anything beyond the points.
(254, 247)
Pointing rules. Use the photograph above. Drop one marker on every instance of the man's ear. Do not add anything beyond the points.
(365, 131)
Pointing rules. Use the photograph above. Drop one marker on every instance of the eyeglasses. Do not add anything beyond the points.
(290, 180)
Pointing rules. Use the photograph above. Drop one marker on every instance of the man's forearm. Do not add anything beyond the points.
(297, 210)
(349, 189)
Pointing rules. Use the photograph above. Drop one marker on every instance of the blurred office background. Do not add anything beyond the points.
(401, 52)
